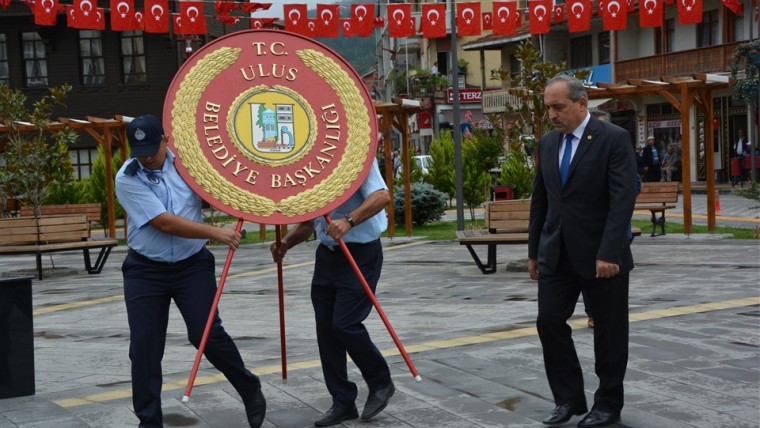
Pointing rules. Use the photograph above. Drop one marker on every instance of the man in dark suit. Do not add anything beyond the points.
(583, 198)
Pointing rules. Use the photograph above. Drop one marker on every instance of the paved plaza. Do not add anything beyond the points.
(694, 346)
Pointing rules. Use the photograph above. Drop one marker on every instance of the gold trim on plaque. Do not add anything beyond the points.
(358, 137)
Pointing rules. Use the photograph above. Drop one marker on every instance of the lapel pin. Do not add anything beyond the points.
(588, 137)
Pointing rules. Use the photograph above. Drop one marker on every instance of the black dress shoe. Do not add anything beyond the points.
(598, 418)
(336, 415)
(563, 413)
(255, 409)
(376, 401)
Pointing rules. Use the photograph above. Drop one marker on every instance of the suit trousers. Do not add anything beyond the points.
(341, 305)
(557, 297)
(149, 287)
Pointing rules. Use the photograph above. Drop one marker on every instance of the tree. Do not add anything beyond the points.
(34, 160)
(441, 174)
(475, 179)
(96, 185)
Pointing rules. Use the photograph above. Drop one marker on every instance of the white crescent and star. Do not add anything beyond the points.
(617, 8)
(363, 14)
(329, 18)
(506, 13)
(297, 14)
(86, 12)
(194, 15)
(430, 14)
(542, 8)
(470, 12)
(579, 13)
(650, 10)
(158, 14)
(125, 11)
(47, 9)
(400, 18)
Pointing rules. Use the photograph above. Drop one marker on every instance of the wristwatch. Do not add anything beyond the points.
(349, 219)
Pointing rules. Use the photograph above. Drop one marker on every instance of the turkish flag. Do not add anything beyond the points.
(46, 11)
(193, 18)
(690, 11)
(487, 21)
(468, 19)
(228, 19)
(224, 8)
(579, 15)
(139, 20)
(123, 15)
(650, 13)
(559, 14)
(84, 16)
(504, 18)
(259, 23)
(614, 16)
(347, 27)
(734, 5)
(539, 13)
(362, 19)
(295, 18)
(311, 28)
(433, 20)
(399, 16)
(328, 20)
(156, 16)
(379, 21)
(253, 7)
(4, 3)
(632, 5)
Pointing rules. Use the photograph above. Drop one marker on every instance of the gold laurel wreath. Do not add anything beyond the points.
(358, 137)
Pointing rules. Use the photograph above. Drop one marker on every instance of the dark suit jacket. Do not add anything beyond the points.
(591, 214)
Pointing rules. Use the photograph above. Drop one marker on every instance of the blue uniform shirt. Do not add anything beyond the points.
(365, 231)
(148, 194)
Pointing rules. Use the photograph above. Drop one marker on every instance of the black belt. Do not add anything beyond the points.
(142, 258)
(350, 245)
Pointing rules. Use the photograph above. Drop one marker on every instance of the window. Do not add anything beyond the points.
(604, 47)
(133, 57)
(35, 64)
(91, 57)
(81, 160)
(4, 72)
(665, 36)
(580, 52)
(707, 30)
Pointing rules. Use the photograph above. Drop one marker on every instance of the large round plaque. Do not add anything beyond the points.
(270, 126)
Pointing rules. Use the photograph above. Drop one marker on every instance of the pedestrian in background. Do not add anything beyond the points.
(651, 157)
(168, 260)
(340, 301)
(581, 207)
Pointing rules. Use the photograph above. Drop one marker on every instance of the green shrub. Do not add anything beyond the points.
(428, 204)
(76, 192)
(97, 184)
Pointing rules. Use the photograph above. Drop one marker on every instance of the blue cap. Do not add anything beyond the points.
(144, 134)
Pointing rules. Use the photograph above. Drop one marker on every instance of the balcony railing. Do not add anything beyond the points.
(497, 101)
(711, 59)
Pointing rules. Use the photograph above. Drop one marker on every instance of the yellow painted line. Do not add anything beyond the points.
(76, 305)
(424, 347)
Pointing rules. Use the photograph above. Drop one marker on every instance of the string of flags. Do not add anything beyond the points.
(505, 18)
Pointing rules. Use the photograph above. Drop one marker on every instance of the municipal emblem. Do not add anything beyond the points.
(270, 126)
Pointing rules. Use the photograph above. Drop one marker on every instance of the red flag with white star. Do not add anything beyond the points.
(156, 16)
(193, 18)
(468, 19)
(123, 15)
(579, 15)
(540, 12)
(505, 18)
(295, 19)
(46, 11)
(433, 20)
(328, 20)
(362, 19)
(690, 12)
(650, 13)
(399, 16)
(614, 15)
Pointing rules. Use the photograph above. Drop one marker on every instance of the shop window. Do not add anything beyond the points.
(707, 30)
(133, 57)
(580, 52)
(604, 47)
(35, 61)
(91, 57)
(4, 71)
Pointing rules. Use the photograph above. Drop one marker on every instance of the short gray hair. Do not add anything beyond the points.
(575, 87)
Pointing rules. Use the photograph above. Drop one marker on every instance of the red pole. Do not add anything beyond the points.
(280, 295)
(211, 316)
(376, 304)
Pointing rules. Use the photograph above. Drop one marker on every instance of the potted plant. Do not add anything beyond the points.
(747, 54)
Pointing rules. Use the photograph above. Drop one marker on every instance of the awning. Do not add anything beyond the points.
(597, 103)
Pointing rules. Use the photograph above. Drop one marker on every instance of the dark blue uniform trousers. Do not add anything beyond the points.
(149, 288)
(340, 306)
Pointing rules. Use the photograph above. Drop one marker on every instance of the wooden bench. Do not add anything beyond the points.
(28, 235)
(657, 197)
(506, 223)
(92, 211)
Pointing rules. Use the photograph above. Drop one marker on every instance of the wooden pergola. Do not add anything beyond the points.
(393, 115)
(682, 93)
(107, 133)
